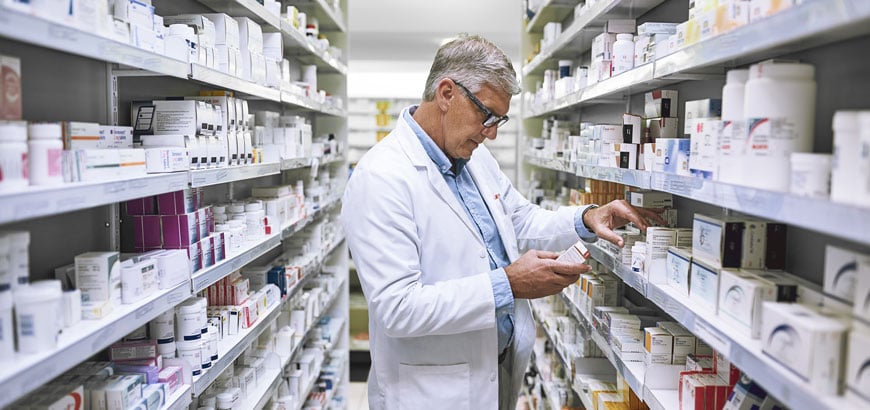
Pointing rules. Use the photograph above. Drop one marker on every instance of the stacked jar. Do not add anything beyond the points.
(13, 156)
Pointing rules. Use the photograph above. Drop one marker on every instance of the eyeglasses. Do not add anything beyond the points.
(491, 119)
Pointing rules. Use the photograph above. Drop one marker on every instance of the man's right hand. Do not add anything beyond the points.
(537, 274)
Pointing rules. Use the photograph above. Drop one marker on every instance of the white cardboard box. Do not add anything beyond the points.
(841, 267)
(704, 285)
(740, 297)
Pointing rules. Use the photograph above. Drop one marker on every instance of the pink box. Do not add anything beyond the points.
(142, 206)
(171, 375)
(176, 203)
(179, 231)
(150, 372)
(147, 232)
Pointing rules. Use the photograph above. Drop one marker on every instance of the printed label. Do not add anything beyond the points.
(770, 137)
(55, 162)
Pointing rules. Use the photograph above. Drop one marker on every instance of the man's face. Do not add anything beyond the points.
(464, 130)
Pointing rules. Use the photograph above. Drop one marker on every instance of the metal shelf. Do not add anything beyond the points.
(302, 223)
(221, 79)
(288, 97)
(253, 250)
(296, 44)
(40, 201)
(246, 8)
(215, 176)
(232, 347)
(576, 39)
(330, 19)
(744, 352)
(179, 400)
(551, 10)
(260, 396)
(25, 372)
(29, 29)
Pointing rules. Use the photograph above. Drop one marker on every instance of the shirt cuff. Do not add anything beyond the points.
(501, 289)
(580, 227)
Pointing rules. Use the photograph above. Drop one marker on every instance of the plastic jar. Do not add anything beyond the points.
(732, 138)
(7, 340)
(255, 219)
(810, 174)
(36, 315)
(779, 106)
(224, 401)
(638, 256)
(623, 53)
(187, 317)
(237, 230)
(13, 156)
(863, 175)
(45, 154)
(19, 257)
(205, 352)
(191, 350)
(213, 341)
(166, 349)
(733, 93)
(564, 68)
(846, 155)
(203, 314)
(162, 328)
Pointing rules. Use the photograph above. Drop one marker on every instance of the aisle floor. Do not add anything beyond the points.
(359, 398)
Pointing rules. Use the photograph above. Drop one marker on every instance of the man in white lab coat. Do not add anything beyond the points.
(435, 230)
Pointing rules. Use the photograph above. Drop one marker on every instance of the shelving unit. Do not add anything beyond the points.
(54, 215)
(810, 32)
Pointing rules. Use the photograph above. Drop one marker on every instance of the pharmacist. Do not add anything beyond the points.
(435, 233)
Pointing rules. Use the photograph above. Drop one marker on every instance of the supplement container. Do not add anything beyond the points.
(732, 136)
(19, 263)
(162, 328)
(732, 95)
(237, 230)
(167, 350)
(863, 176)
(205, 351)
(72, 307)
(623, 53)
(140, 333)
(564, 68)
(779, 106)
(45, 154)
(844, 163)
(191, 350)
(187, 317)
(13, 156)
(212, 341)
(36, 316)
(224, 401)
(810, 174)
(7, 342)
(255, 219)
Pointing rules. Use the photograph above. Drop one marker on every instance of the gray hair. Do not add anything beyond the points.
(473, 61)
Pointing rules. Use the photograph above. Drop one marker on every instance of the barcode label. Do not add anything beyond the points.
(26, 325)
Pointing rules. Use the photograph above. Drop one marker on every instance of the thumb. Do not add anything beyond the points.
(547, 254)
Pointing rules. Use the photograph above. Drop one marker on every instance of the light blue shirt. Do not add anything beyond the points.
(462, 185)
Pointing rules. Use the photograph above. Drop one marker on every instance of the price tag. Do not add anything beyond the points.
(176, 297)
(713, 337)
(138, 184)
(144, 310)
(114, 187)
(71, 202)
(62, 33)
(222, 175)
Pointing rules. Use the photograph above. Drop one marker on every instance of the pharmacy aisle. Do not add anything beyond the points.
(740, 119)
(169, 205)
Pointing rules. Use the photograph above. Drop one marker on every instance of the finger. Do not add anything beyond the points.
(567, 280)
(547, 254)
(607, 234)
(653, 213)
(635, 217)
(562, 268)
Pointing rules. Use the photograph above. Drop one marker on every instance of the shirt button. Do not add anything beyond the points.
(482, 254)
(492, 377)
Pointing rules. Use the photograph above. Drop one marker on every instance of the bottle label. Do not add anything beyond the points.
(770, 137)
(55, 162)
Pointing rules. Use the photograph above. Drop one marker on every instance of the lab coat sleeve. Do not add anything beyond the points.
(378, 216)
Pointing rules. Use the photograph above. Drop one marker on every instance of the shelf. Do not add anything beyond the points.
(179, 400)
(232, 347)
(818, 215)
(308, 386)
(288, 97)
(258, 398)
(330, 19)
(38, 31)
(576, 39)
(297, 45)
(551, 10)
(222, 80)
(38, 201)
(25, 372)
(245, 8)
(744, 352)
(810, 24)
(252, 250)
(302, 223)
(215, 176)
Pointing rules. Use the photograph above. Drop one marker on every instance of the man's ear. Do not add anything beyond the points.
(444, 94)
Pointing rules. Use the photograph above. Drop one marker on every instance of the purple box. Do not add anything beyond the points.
(142, 206)
(150, 372)
(179, 231)
(176, 203)
(147, 232)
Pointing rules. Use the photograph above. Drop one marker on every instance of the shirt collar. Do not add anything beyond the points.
(435, 154)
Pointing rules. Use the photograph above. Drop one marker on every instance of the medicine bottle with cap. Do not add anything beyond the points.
(45, 154)
(623, 53)
(13, 156)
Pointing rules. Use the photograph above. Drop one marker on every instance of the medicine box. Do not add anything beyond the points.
(776, 244)
(632, 129)
(659, 345)
(577, 253)
(98, 276)
(651, 199)
(95, 310)
(226, 30)
(138, 280)
(675, 154)
(740, 299)
(250, 35)
(10, 99)
(862, 289)
(81, 135)
(177, 202)
(662, 128)
(602, 47)
(660, 103)
(805, 341)
(617, 26)
(704, 148)
(704, 284)
(656, 28)
(179, 231)
(858, 368)
(180, 117)
(625, 156)
(137, 350)
(710, 108)
(841, 267)
(718, 241)
(147, 233)
(166, 159)
(679, 264)
(785, 288)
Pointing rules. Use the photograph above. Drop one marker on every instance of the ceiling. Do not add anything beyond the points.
(412, 29)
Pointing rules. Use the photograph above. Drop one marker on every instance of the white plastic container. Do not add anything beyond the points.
(844, 163)
(162, 328)
(191, 350)
(187, 318)
(45, 154)
(13, 156)
(238, 229)
(5, 268)
(19, 257)
(36, 317)
(733, 93)
(167, 350)
(72, 307)
(810, 174)
(7, 340)
(205, 351)
(779, 106)
(863, 176)
(732, 136)
(203, 314)
(212, 341)
(623, 53)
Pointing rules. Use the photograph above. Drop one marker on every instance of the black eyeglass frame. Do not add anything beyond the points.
(491, 119)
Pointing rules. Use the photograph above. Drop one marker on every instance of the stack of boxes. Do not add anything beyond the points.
(703, 125)
(652, 41)
(664, 152)
(228, 55)
(205, 34)
(251, 49)
(100, 152)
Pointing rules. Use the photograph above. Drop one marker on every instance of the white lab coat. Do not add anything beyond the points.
(424, 270)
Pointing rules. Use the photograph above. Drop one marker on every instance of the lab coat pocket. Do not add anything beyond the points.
(434, 386)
